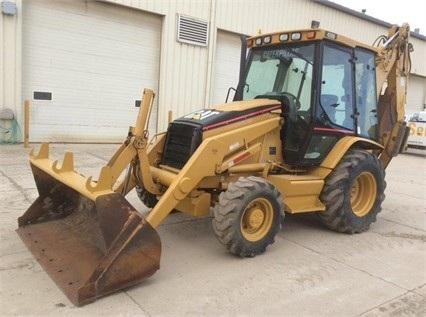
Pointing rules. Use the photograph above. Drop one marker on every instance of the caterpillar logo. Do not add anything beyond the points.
(201, 114)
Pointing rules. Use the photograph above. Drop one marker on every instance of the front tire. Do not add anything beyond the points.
(148, 199)
(248, 216)
(353, 192)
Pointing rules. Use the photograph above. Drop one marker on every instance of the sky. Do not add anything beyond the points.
(392, 11)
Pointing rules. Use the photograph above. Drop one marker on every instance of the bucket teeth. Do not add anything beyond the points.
(88, 238)
(43, 152)
(67, 164)
(103, 183)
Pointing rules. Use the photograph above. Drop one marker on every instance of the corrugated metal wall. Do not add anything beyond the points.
(249, 17)
(186, 71)
(184, 68)
(268, 16)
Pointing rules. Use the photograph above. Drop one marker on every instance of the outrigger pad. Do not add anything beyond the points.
(89, 248)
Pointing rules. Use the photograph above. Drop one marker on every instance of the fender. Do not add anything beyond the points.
(340, 149)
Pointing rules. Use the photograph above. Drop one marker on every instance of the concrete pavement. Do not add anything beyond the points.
(309, 271)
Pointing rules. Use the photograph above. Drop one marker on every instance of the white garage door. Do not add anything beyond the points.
(92, 60)
(416, 94)
(226, 66)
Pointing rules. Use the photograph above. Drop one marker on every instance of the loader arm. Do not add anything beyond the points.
(208, 160)
(134, 147)
(393, 66)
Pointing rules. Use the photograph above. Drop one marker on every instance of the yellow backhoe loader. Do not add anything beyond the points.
(309, 130)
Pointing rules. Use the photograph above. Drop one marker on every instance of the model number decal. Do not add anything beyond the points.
(330, 35)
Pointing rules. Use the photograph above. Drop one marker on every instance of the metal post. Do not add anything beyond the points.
(170, 117)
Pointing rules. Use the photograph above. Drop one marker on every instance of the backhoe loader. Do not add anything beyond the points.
(309, 130)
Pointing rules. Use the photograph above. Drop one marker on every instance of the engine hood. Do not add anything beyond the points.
(229, 113)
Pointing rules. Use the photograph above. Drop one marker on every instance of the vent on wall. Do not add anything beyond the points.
(42, 95)
(192, 31)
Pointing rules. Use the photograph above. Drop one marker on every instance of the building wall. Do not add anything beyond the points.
(10, 62)
(188, 84)
(187, 73)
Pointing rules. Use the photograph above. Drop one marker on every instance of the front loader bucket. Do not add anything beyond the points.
(90, 245)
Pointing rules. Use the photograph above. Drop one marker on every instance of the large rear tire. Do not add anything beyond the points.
(248, 216)
(353, 192)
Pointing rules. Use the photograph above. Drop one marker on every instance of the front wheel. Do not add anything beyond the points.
(248, 216)
(353, 192)
(148, 199)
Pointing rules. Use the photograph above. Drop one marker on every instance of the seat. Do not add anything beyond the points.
(329, 100)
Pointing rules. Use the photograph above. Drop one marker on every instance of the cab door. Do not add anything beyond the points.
(335, 111)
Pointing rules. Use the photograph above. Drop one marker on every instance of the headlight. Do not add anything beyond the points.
(283, 37)
(296, 36)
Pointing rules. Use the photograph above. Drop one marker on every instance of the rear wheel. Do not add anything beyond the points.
(248, 216)
(353, 193)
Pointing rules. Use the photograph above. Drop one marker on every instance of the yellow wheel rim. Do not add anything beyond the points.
(256, 220)
(363, 194)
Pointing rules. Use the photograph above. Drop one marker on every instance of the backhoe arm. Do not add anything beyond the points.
(393, 66)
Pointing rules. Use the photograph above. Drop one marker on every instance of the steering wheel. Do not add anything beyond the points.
(294, 107)
(293, 99)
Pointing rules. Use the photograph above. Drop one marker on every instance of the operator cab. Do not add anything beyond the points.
(327, 89)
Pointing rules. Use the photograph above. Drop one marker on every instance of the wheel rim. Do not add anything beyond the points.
(363, 194)
(256, 220)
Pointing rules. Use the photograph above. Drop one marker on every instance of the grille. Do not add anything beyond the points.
(181, 142)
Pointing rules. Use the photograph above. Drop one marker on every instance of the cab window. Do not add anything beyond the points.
(365, 90)
(336, 97)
